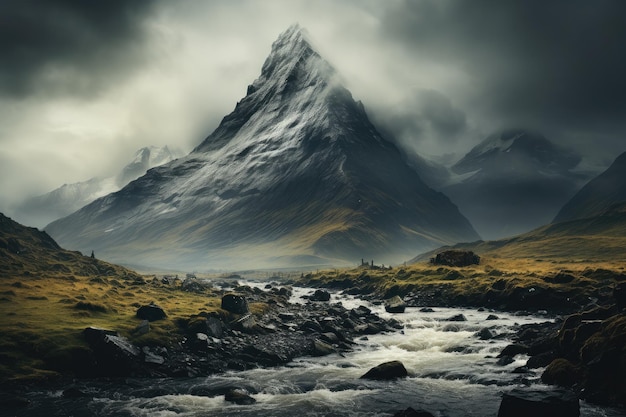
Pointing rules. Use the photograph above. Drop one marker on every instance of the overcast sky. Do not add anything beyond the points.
(83, 84)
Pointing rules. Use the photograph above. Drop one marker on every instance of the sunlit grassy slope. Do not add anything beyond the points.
(49, 295)
(596, 239)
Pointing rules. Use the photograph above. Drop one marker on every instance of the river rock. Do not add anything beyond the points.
(539, 403)
(320, 295)
(321, 348)
(395, 304)
(560, 372)
(235, 304)
(484, 334)
(410, 412)
(457, 317)
(386, 371)
(215, 327)
(239, 396)
(151, 312)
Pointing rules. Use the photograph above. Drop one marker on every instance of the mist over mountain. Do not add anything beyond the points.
(514, 181)
(43, 209)
(603, 193)
(295, 175)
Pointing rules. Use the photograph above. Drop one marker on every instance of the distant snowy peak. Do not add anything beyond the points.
(515, 149)
(144, 159)
(41, 210)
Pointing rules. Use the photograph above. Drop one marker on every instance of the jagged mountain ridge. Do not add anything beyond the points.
(66, 199)
(600, 194)
(296, 171)
(514, 181)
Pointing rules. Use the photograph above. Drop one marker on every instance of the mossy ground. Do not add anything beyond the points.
(582, 282)
(43, 317)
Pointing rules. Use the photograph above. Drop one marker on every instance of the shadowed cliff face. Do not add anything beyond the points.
(604, 193)
(296, 169)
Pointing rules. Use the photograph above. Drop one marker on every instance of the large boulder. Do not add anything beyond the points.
(456, 258)
(235, 304)
(561, 372)
(386, 371)
(395, 304)
(539, 403)
(151, 312)
(320, 295)
(114, 355)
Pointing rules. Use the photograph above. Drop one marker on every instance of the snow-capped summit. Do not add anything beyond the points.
(295, 175)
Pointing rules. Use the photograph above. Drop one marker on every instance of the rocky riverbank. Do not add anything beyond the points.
(232, 338)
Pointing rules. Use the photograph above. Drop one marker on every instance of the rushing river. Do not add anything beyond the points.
(452, 373)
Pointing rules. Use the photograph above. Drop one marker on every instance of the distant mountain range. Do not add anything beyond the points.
(591, 226)
(513, 181)
(60, 202)
(295, 175)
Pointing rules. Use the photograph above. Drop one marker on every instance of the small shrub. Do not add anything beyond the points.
(85, 305)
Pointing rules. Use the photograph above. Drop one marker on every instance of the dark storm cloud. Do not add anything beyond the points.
(68, 46)
(558, 63)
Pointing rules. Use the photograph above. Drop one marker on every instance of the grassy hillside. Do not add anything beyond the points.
(596, 239)
(49, 295)
(500, 283)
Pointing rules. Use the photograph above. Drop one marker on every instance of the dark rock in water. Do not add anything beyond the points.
(540, 360)
(457, 317)
(410, 412)
(539, 403)
(386, 371)
(395, 304)
(493, 317)
(560, 372)
(151, 312)
(320, 295)
(235, 304)
(426, 310)
(456, 258)
(74, 392)
(513, 349)
(505, 360)
(239, 396)
(484, 334)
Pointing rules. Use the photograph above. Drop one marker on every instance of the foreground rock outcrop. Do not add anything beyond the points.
(539, 403)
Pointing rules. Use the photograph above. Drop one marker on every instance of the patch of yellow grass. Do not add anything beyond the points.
(42, 315)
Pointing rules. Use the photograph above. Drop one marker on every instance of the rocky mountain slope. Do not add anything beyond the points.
(605, 192)
(41, 210)
(514, 181)
(295, 175)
